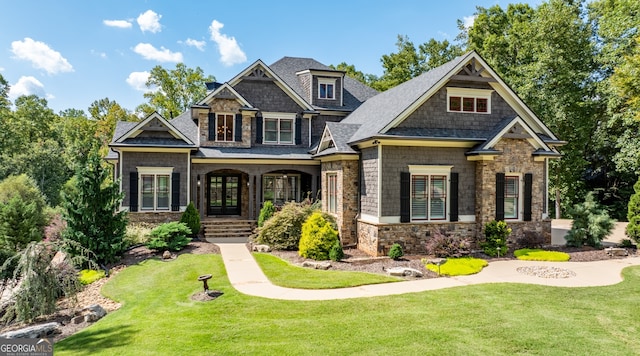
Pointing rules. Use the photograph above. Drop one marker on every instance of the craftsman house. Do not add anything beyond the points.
(452, 148)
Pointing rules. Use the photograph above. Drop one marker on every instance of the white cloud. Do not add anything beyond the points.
(26, 86)
(230, 52)
(147, 51)
(118, 23)
(149, 21)
(98, 54)
(195, 43)
(468, 21)
(137, 80)
(41, 56)
(1, 69)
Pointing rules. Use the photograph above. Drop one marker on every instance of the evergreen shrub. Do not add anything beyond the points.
(395, 252)
(318, 236)
(591, 224)
(633, 214)
(266, 212)
(191, 218)
(496, 234)
(336, 253)
(169, 236)
(282, 231)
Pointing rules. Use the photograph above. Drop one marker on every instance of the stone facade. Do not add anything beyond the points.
(224, 106)
(347, 197)
(154, 217)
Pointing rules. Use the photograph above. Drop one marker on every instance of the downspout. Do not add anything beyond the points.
(310, 130)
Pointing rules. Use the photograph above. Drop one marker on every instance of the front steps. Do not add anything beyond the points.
(228, 230)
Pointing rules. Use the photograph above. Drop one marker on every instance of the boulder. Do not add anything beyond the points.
(404, 272)
(34, 332)
(616, 251)
(95, 309)
(166, 255)
(316, 265)
(261, 248)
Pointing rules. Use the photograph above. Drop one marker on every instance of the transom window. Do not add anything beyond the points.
(280, 188)
(469, 100)
(224, 127)
(155, 188)
(278, 130)
(332, 192)
(511, 197)
(326, 88)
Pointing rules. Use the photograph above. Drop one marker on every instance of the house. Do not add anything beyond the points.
(451, 149)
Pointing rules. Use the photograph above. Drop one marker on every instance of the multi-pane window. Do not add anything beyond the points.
(280, 188)
(224, 127)
(278, 131)
(155, 191)
(332, 192)
(466, 104)
(511, 197)
(428, 197)
(326, 89)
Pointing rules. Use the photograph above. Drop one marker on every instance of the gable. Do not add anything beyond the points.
(154, 130)
(225, 91)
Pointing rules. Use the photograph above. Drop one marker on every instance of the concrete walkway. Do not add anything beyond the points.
(246, 276)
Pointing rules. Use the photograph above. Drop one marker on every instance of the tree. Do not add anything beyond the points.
(350, 70)
(174, 90)
(633, 215)
(22, 215)
(91, 211)
(106, 113)
(591, 224)
(78, 136)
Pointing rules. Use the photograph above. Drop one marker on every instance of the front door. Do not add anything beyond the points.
(224, 194)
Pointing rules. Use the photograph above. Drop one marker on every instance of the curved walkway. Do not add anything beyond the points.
(246, 276)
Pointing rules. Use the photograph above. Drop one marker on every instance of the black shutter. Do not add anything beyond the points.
(405, 197)
(259, 129)
(528, 184)
(175, 191)
(212, 126)
(133, 191)
(499, 196)
(453, 199)
(298, 131)
(238, 128)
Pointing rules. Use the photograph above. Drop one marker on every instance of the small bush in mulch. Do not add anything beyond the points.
(458, 266)
(88, 276)
(444, 244)
(395, 252)
(528, 254)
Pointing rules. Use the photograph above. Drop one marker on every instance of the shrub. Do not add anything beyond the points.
(531, 239)
(266, 212)
(22, 212)
(6, 257)
(88, 276)
(529, 254)
(496, 234)
(191, 218)
(138, 234)
(443, 244)
(626, 243)
(633, 214)
(282, 231)
(590, 225)
(395, 252)
(336, 253)
(317, 238)
(169, 236)
(458, 266)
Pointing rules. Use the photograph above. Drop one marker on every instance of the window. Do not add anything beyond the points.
(428, 197)
(326, 88)
(155, 188)
(332, 192)
(278, 130)
(511, 197)
(224, 127)
(280, 188)
(469, 100)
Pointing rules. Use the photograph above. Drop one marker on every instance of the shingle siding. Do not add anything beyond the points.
(266, 96)
(369, 179)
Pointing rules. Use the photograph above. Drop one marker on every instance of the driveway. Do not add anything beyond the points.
(560, 227)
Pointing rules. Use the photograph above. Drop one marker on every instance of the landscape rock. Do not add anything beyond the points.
(33, 332)
(616, 251)
(316, 265)
(261, 248)
(166, 255)
(404, 272)
(95, 309)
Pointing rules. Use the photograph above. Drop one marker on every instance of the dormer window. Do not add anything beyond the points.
(469, 100)
(326, 88)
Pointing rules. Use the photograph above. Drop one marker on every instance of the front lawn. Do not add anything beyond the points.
(158, 318)
(284, 274)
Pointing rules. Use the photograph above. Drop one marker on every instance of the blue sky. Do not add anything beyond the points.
(75, 52)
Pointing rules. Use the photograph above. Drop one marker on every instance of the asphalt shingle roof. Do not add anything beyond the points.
(261, 152)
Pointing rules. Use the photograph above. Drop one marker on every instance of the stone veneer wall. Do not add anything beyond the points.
(226, 106)
(376, 239)
(154, 217)
(347, 197)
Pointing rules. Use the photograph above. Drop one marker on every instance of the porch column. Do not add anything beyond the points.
(258, 194)
(251, 196)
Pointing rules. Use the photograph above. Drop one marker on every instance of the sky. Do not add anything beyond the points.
(75, 52)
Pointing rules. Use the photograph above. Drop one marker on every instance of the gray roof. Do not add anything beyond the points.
(382, 109)
(261, 152)
(182, 123)
(340, 133)
(186, 126)
(122, 127)
(354, 93)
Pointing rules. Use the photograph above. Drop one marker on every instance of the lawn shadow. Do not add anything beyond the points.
(91, 341)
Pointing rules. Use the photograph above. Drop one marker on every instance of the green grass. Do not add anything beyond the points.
(284, 274)
(158, 318)
(529, 254)
(459, 266)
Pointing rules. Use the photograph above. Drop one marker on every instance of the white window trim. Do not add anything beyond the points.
(470, 93)
(233, 126)
(520, 195)
(327, 81)
(298, 184)
(153, 171)
(329, 176)
(425, 170)
(278, 116)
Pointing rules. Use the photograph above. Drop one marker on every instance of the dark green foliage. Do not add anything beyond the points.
(496, 234)
(169, 236)
(395, 252)
(633, 214)
(443, 244)
(266, 212)
(282, 231)
(336, 253)
(591, 224)
(22, 215)
(317, 238)
(626, 243)
(191, 218)
(6, 271)
(91, 211)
